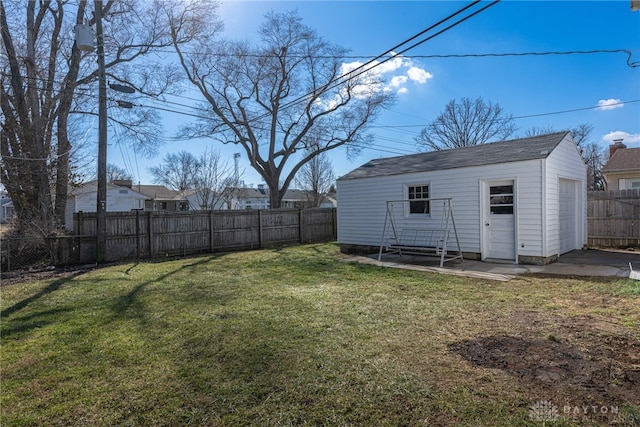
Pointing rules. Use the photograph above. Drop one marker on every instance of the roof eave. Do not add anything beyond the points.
(637, 170)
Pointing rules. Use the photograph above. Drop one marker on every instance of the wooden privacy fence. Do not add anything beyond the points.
(613, 218)
(140, 234)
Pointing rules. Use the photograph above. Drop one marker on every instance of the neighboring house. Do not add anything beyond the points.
(119, 199)
(6, 207)
(159, 197)
(328, 202)
(622, 171)
(522, 200)
(122, 196)
(298, 199)
(302, 199)
(251, 198)
(203, 200)
(258, 198)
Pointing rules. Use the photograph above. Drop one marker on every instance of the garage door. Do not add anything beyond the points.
(568, 215)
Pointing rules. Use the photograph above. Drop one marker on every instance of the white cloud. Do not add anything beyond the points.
(397, 72)
(628, 138)
(609, 104)
(389, 66)
(419, 75)
(398, 81)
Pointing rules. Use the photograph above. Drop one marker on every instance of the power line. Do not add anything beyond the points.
(628, 52)
(594, 107)
(364, 67)
(544, 53)
(468, 55)
(576, 109)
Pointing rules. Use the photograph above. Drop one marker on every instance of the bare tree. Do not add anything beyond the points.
(232, 190)
(466, 123)
(46, 83)
(116, 173)
(595, 157)
(213, 180)
(269, 97)
(178, 171)
(538, 130)
(592, 154)
(316, 178)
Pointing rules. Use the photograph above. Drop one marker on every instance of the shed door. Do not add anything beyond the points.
(568, 215)
(499, 220)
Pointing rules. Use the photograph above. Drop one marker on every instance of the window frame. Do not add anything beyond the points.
(407, 193)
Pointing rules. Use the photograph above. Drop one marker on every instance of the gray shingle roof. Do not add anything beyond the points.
(623, 160)
(516, 150)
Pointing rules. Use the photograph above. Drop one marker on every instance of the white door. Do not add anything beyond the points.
(499, 220)
(568, 215)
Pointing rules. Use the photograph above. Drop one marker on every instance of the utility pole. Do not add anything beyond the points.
(101, 208)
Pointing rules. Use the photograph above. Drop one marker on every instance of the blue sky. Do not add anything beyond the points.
(524, 86)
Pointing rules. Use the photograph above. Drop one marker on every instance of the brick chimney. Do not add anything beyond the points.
(617, 144)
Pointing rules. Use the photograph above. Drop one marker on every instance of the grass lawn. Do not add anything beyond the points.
(294, 336)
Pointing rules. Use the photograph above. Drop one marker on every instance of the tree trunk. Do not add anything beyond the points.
(64, 145)
(275, 196)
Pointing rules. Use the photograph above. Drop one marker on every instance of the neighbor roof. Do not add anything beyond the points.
(516, 150)
(157, 192)
(623, 160)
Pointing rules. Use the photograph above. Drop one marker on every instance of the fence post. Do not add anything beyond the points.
(301, 225)
(150, 232)
(8, 254)
(211, 231)
(259, 228)
(334, 220)
(137, 235)
(78, 232)
(183, 226)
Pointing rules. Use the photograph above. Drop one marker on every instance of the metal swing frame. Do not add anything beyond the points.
(421, 240)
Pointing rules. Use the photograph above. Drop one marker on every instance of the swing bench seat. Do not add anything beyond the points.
(419, 241)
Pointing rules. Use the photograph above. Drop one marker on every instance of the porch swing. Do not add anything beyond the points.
(434, 238)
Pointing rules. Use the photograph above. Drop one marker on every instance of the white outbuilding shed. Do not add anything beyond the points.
(522, 200)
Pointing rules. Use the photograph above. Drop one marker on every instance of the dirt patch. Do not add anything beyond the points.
(575, 361)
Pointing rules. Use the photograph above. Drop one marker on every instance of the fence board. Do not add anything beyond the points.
(613, 218)
(157, 234)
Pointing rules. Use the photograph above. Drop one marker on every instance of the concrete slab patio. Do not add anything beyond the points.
(590, 262)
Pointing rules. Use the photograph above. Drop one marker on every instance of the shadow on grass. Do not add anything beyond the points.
(51, 287)
(124, 303)
(36, 320)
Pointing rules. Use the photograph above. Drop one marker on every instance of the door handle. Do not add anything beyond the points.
(486, 224)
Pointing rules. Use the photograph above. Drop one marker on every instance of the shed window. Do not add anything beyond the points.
(417, 195)
(501, 199)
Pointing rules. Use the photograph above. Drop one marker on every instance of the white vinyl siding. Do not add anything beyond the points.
(84, 200)
(361, 202)
(564, 163)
